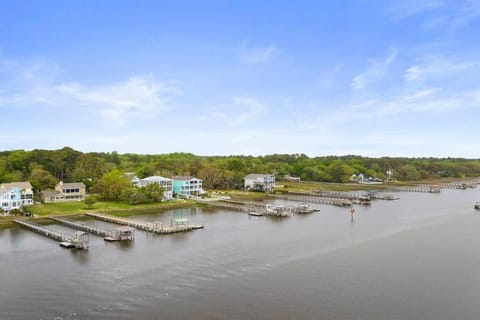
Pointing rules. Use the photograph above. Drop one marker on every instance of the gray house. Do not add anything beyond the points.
(259, 182)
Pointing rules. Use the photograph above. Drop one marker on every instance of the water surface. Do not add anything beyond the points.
(414, 258)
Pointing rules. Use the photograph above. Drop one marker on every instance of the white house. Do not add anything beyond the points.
(259, 182)
(14, 195)
(166, 183)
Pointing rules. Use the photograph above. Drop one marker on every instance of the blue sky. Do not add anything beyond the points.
(374, 78)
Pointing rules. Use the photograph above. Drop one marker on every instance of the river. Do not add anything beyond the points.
(412, 258)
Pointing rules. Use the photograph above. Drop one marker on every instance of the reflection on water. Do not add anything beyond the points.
(322, 265)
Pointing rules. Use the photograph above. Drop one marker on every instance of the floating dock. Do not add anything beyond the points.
(119, 234)
(178, 225)
(79, 240)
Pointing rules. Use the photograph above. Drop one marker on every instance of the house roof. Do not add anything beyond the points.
(20, 185)
(257, 175)
(50, 193)
(73, 185)
(156, 178)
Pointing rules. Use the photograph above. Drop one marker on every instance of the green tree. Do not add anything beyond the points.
(42, 179)
(111, 185)
(337, 171)
(133, 196)
(153, 192)
(90, 201)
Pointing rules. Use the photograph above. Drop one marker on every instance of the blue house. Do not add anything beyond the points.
(187, 186)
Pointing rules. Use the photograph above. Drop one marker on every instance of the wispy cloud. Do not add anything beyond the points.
(138, 96)
(258, 55)
(403, 9)
(435, 66)
(30, 86)
(376, 70)
(452, 15)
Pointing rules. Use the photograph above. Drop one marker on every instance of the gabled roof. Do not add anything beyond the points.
(258, 175)
(156, 178)
(50, 193)
(20, 185)
(73, 185)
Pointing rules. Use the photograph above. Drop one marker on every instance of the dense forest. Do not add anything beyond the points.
(43, 168)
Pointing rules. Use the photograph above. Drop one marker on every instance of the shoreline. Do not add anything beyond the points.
(7, 222)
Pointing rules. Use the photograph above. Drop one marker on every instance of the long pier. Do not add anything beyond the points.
(313, 199)
(78, 240)
(157, 227)
(459, 185)
(107, 234)
(335, 195)
(253, 208)
(232, 205)
(417, 188)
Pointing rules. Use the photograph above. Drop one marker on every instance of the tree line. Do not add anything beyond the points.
(44, 168)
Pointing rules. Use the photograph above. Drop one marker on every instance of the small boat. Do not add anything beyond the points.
(477, 206)
(256, 214)
(304, 209)
(66, 244)
(110, 239)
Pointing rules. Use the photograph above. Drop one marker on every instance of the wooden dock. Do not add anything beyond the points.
(157, 227)
(459, 185)
(312, 199)
(252, 208)
(233, 205)
(110, 235)
(416, 188)
(354, 196)
(78, 240)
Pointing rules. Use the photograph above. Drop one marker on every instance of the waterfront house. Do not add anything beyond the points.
(65, 192)
(187, 186)
(290, 178)
(165, 183)
(259, 182)
(14, 195)
(361, 178)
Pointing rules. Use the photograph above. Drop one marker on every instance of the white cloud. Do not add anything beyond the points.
(406, 8)
(36, 85)
(138, 96)
(435, 66)
(258, 55)
(376, 71)
(452, 15)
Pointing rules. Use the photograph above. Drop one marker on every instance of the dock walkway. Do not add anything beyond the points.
(313, 199)
(78, 240)
(156, 227)
(110, 234)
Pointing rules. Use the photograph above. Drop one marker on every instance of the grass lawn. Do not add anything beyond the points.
(74, 208)
(242, 195)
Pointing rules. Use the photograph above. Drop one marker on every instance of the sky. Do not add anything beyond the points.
(371, 78)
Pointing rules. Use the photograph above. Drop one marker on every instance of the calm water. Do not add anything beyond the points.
(414, 258)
